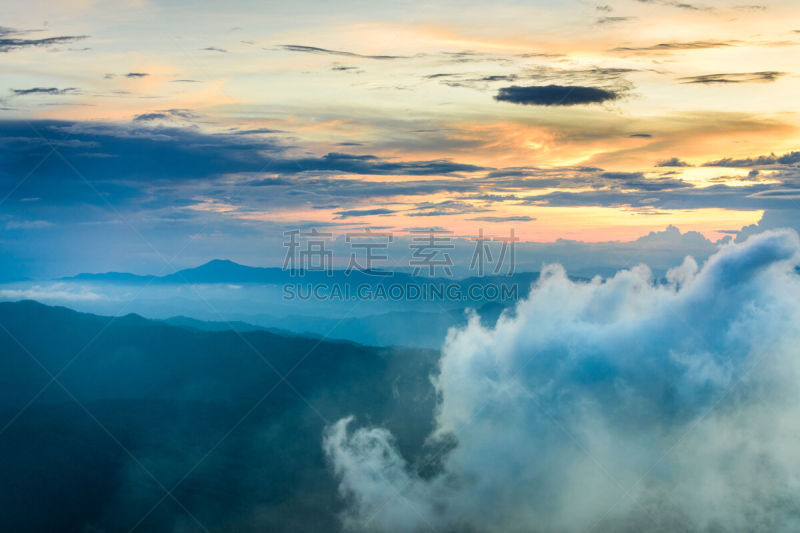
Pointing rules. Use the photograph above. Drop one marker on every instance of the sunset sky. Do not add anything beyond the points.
(123, 122)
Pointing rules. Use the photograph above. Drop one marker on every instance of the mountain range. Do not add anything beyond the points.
(226, 271)
(124, 423)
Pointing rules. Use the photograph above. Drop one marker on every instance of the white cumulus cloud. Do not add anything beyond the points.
(619, 404)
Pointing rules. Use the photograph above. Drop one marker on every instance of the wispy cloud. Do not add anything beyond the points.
(677, 45)
(792, 158)
(512, 218)
(55, 292)
(167, 114)
(14, 43)
(326, 51)
(737, 77)
(52, 91)
(351, 213)
(612, 20)
(674, 3)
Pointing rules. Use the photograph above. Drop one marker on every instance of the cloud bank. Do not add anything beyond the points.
(611, 405)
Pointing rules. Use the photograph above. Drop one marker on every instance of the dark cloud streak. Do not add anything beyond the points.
(672, 46)
(52, 91)
(326, 51)
(612, 20)
(554, 95)
(766, 76)
(672, 162)
(792, 158)
(10, 43)
(363, 213)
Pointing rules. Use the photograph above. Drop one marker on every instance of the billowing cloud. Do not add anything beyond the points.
(554, 95)
(610, 405)
(771, 219)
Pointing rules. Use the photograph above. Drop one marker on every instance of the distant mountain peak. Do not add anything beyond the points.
(221, 262)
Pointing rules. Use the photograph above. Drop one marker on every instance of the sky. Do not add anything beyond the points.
(135, 135)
